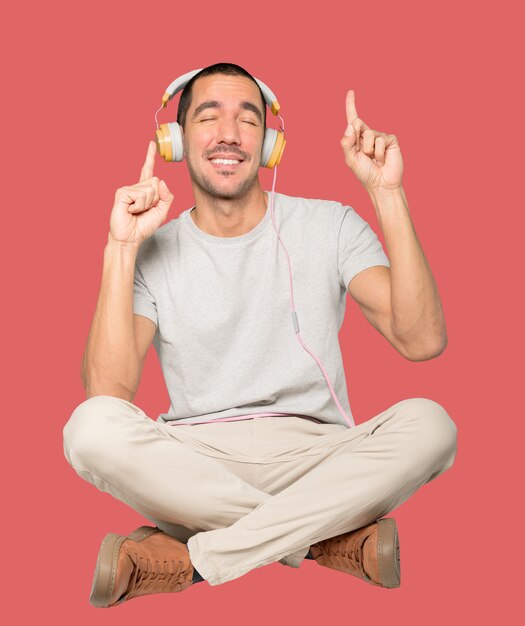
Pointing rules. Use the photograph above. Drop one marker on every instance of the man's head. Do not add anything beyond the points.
(222, 113)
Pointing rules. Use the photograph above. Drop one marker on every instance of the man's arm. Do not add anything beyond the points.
(111, 364)
(402, 302)
(370, 288)
(118, 340)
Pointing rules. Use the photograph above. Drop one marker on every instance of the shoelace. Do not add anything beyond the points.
(344, 553)
(157, 576)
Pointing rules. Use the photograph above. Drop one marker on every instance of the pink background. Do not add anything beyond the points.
(82, 85)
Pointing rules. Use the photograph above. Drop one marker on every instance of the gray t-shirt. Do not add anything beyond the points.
(225, 334)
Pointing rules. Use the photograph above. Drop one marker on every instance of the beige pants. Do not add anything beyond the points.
(245, 494)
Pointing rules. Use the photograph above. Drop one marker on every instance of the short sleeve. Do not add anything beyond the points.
(358, 247)
(143, 302)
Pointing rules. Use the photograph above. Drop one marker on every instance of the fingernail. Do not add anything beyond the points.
(349, 130)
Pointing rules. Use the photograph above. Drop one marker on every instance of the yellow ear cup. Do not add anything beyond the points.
(277, 152)
(163, 141)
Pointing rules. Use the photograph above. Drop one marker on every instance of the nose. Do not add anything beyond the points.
(228, 131)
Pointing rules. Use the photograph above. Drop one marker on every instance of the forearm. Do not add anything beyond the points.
(418, 318)
(111, 362)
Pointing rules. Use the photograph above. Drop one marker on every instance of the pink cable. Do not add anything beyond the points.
(350, 422)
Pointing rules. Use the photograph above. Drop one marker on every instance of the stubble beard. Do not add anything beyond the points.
(206, 184)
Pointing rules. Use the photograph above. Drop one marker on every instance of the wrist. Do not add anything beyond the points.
(386, 192)
(122, 245)
(388, 196)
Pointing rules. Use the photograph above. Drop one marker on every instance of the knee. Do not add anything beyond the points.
(85, 435)
(437, 432)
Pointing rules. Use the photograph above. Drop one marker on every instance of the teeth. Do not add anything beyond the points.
(225, 161)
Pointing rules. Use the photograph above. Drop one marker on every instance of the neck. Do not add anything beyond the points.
(229, 217)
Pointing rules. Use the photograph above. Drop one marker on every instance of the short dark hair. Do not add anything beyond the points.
(229, 69)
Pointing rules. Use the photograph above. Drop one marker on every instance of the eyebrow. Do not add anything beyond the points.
(215, 104)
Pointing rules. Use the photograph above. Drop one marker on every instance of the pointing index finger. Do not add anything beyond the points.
(147, 169)
(351, 111)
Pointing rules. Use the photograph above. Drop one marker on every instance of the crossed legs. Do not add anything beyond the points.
(355, 477)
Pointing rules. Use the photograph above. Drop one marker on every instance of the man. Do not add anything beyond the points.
(227, 491)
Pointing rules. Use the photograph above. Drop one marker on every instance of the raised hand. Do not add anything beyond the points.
(374, 157)
(141, 208)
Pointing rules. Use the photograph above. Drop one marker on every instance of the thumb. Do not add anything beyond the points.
(348, 142)
(166, 197)
(164, 193)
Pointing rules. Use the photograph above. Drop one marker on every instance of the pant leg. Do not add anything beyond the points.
(115, 446)
(371, 470)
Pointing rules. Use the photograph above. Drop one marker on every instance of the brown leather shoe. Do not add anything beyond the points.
(146, 561)
(370, 553)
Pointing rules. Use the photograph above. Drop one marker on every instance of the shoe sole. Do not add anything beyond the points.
(106, 567)
(388, 553)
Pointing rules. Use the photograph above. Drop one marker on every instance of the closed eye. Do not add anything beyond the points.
(210, 119)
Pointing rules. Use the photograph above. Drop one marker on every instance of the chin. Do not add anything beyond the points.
(230, 188)
(227, 194)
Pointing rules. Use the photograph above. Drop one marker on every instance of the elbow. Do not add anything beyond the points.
(98, 381)
(426, 354)
(96, 386)
(115, 392)
(424, 349)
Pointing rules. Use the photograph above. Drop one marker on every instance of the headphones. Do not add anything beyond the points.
(168, 137)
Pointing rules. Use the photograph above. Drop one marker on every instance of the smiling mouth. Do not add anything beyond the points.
(222, 163)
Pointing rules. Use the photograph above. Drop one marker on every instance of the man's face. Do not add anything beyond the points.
(222, 122)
